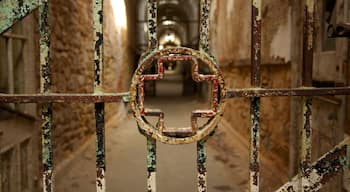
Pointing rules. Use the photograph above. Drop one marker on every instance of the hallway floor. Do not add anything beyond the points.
(126, 159)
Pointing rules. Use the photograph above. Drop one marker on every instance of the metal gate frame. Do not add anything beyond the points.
(311, 177)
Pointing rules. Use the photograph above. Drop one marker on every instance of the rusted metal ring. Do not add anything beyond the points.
(137, 95)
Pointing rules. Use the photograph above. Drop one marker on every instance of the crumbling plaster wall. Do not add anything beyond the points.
(73, 70)
(231, 42)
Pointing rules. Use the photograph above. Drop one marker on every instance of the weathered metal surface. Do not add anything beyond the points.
(12, 11)
(151, 164)
(116, 97)
(204, 47)
(204, 26)
(306, 142)
(45, 88)
(322, 170)
(100, 147)
(152, 16)
(177, 136)
(98, 88)
(98, 43)
(256, 43)
(306, 131)
(152, 13)
(63, 98)
(47, 148)
(201, 166)
(308, 49)
(312, 176)
(303, 91)
(45, 42)
(339, 30)
(254, 165)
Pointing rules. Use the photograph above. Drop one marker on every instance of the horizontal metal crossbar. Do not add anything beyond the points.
(63, 98)
(303, 91)
(116, 97)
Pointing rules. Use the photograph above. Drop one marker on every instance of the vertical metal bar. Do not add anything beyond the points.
(1, 133)
(201, 166)
(306, 141)
(99, 107)
(152, 16)
(254, 165)
(308, 50)
(151, 164)
(45, 87)
(204, 46)
(256, 43)
(10, 71)
(306, 133)
(347, 156)
(204, 26)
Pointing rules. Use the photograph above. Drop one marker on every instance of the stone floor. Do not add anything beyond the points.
(126, 159)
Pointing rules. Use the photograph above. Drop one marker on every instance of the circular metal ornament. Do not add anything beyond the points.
(177, 135)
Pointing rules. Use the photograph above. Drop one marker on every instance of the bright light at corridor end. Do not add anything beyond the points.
(119, 11)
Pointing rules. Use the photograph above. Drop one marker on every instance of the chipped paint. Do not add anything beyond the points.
(201, 166)
(312, 176)
(101, 181)
(306, 143)
(151, 164)
(204, 26)
(256, 43)
(100, 147)
(257, 9)
(98, 43)
(45, 88)
(322, 171)
(12, 11)
(254, 165)
(308, 49)
(302, 91)
(152, 13)
(98, 88)
(178, 135)
(47, 148)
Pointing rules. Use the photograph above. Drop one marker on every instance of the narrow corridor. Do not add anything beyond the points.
(126, 159)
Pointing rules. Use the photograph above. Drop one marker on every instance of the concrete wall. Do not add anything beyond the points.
(73, 67)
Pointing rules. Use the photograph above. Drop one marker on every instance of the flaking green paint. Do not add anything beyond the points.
(201, 166)
(322, 171)
(98, 88)
(255, 144)
(45, 88)
(151, 164)
(12, 11)
(98, 44)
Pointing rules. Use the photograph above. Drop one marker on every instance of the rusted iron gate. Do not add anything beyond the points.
(311, 177)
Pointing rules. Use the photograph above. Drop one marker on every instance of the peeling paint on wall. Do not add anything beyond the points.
(280, 45)
(230, 7)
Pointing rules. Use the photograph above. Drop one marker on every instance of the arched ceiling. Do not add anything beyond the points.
(178, 16)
